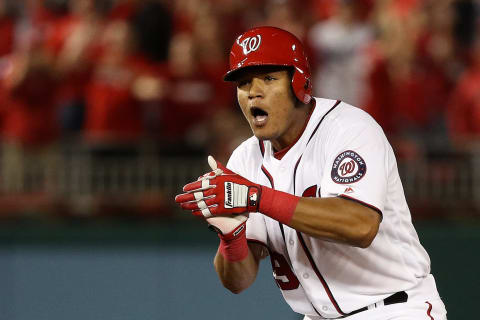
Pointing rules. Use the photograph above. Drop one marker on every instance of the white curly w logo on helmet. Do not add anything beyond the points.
(250, 44)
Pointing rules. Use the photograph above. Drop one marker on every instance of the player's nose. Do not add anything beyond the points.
(256, 88)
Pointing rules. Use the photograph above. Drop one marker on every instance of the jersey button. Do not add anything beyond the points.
(291, 242)
(306, 276)
(325, 308)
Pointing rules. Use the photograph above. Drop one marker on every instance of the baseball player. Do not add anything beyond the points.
(318, 191)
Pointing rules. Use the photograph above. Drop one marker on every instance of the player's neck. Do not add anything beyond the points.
(302, 115)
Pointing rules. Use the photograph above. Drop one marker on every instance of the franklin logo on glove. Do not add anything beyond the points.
(228, 195)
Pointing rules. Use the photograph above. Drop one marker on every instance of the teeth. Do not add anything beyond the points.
(261, 118)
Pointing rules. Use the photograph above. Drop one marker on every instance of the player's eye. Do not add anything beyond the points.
(243, 83)
(269, 78)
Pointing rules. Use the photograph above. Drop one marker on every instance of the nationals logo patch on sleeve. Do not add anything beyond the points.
(348, 167)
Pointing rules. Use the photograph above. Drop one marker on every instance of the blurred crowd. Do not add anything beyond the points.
(120, 71)
(115, 76)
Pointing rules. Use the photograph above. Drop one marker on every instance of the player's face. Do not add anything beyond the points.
(268, 104)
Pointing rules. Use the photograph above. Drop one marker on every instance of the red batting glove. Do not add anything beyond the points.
(223, 192)
(230, 229)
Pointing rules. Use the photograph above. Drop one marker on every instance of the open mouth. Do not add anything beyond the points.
(259, 115)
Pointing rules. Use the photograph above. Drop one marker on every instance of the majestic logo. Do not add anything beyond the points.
(229, 195)
(250, 44)
(348, 167)
(348, 190)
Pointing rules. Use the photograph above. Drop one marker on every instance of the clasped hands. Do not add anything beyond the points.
(225, 198)
(222, 197)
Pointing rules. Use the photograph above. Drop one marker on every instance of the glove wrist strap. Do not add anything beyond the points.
(233, 246)
(278, 205)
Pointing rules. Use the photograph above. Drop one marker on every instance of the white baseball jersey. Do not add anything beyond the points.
(342, 152)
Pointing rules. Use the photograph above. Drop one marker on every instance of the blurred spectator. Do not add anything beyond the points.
(191, 97)
(113, 113)
(28, 119)
(210, 51)
(287, 15)
(71, 40)
(465, 27)
(322, 9)
(339, 45)
(409, 79)
(153, 26)
(463, 114)
(7, 28)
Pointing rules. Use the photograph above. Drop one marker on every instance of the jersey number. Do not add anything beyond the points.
(283, 274)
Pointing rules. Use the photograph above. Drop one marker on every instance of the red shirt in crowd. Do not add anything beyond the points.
(28, 112)
(192, 99)
(113, 113)
(7, 29)
(409, 101)
(463, 114)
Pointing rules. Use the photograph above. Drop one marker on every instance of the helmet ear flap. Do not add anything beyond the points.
(301, 86)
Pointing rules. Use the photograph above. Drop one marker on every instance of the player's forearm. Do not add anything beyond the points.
(236, 276)
(333, 219)
(337, 220)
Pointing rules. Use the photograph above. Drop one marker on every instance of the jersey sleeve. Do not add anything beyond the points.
(237, 163)
(356, 164)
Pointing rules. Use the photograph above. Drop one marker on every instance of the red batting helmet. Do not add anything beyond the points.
(269, 46)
